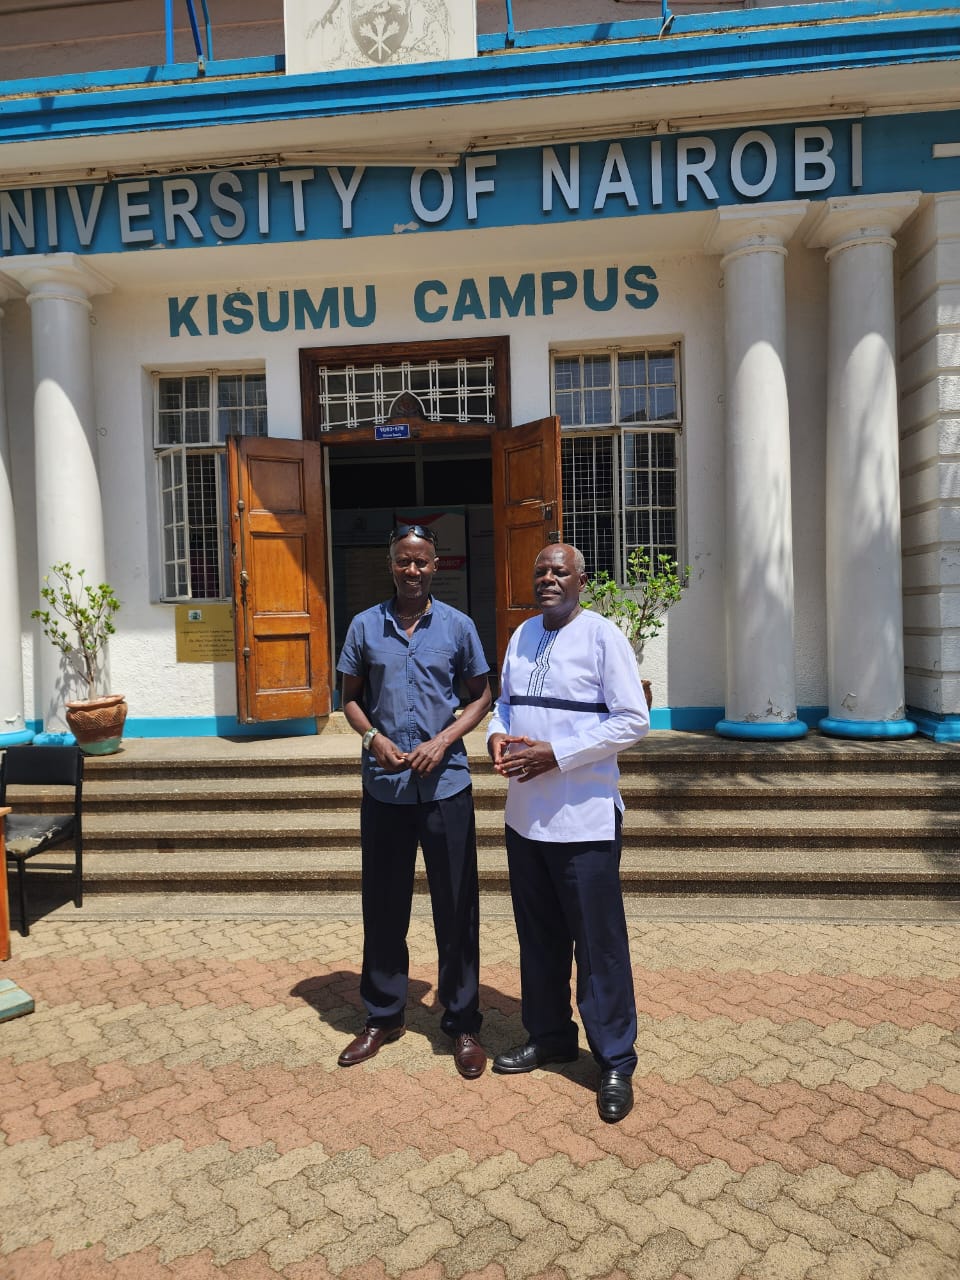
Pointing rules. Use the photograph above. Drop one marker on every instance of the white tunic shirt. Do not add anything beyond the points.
(579, 689)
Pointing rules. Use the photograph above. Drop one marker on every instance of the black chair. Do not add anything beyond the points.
(31, 833)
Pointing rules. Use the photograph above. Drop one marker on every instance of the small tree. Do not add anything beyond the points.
(88, 613)
(638, 606)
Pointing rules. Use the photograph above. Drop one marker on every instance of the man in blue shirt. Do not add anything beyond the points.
(402, 664)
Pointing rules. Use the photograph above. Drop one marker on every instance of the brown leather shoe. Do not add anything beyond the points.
(469, 1055)
(367, 1044)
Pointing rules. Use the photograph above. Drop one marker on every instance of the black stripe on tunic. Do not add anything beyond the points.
(558, 704)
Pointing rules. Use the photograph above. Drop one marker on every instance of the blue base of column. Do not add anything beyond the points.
(769, 731)
(836, 728)
(55, 740)
(16, 739)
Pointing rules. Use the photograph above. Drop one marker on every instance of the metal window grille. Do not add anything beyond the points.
(193, 415)
(620, 479)
(447, 390)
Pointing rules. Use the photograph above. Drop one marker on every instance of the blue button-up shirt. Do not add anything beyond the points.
(410, 692)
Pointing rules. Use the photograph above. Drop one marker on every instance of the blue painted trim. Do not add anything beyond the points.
(938, 727)
(214, 727)
(678, 719)
(170, 74)
(838, 728)
(690, 719)
(769, 731)
(744, 49)
(811, 716)
(16, 739)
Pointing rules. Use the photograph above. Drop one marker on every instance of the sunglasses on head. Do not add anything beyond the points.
(417, 530)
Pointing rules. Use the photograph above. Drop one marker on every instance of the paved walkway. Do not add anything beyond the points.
(173, 1108)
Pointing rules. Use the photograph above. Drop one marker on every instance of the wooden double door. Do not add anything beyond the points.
(281, 563)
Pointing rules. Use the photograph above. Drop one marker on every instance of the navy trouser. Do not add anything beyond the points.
(567, 903)
(389, 835)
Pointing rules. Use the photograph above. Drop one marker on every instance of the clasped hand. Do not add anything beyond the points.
(521, 758)
(423, 759)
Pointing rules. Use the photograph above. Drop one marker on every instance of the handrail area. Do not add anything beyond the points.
(662, 33)
(204, 50)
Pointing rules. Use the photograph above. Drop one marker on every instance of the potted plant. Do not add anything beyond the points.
(639, 604)
(78, 619)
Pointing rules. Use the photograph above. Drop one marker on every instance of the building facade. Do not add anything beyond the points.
(685, 280)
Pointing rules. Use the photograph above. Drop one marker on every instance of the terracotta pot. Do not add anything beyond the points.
(648, 692)
(97, 723)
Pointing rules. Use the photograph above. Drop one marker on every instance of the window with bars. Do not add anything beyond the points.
(193, 415)
(456, 390)
(621, 418)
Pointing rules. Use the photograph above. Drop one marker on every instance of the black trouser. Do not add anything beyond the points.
(567, 902)
(389, 835)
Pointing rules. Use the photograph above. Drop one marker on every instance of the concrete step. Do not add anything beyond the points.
(341, 791)
(662, 870)
(338, 753)
(253, 828)
(820, 818)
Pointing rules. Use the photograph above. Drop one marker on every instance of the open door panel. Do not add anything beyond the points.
(526, 515)
(279, 579)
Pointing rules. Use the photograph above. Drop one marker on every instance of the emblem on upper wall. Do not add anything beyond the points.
(328, 35)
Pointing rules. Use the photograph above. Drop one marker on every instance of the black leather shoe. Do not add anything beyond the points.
(469, 1055)
(367, 1044)
(525, 1057)
(614, 1097)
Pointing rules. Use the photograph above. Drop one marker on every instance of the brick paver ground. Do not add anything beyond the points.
(173, 1108)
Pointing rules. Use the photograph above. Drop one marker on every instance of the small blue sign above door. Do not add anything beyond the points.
(392, 431)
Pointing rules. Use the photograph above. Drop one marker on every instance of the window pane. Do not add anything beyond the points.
(203, 523)
(566, 373)
(649, 481)
(587, 477)
(197, 392)
(170, 394)
(569, 408)
(169, 428)
(663, 402)
(191, 476)
(229, 390)
(196, 428)
(596, 371)
(255, 389)
(231, 422)
(255, 421)
(598, 407)
(633, 404)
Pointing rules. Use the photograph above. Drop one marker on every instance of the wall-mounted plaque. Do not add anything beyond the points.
(329, 35)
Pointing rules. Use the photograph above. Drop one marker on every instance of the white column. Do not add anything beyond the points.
(69, 512)
(13, 725)
(864, 581)
(761, 699)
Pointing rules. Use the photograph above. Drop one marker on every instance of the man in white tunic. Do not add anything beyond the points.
(570, 699)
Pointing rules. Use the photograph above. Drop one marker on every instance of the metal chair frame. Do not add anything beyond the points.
(35, 832)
